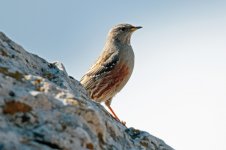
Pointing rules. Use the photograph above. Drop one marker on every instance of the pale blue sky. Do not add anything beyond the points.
(178, 88)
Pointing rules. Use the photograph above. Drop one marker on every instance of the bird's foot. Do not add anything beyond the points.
(123, 123)
(114, 115)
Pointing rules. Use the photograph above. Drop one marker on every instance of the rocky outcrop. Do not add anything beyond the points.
(41, 107)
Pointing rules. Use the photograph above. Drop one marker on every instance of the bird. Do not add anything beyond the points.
(111, 71)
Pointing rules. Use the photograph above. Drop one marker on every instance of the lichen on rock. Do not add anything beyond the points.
(41, 107)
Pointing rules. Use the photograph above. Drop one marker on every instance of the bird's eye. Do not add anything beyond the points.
(123, 29)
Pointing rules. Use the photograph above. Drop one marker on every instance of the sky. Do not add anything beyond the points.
(177, 91)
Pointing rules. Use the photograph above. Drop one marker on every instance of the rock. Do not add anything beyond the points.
(41, 107)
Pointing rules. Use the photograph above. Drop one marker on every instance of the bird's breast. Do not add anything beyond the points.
(113, 82)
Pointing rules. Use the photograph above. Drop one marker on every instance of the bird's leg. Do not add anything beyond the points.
(113, 113)
(107, 103)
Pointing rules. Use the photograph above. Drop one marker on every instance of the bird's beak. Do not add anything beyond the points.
(135, 28)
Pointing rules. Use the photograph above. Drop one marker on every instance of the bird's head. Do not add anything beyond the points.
(122, 32)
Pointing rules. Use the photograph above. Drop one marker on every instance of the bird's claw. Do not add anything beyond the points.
(123, 123)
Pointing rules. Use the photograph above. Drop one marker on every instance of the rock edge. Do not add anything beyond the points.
(41, 107)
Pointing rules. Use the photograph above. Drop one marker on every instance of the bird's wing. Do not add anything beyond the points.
(104, 64)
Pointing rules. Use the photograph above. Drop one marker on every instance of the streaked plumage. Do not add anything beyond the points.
(113, 68)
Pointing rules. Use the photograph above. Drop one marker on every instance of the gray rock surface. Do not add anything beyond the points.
(41, 107)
